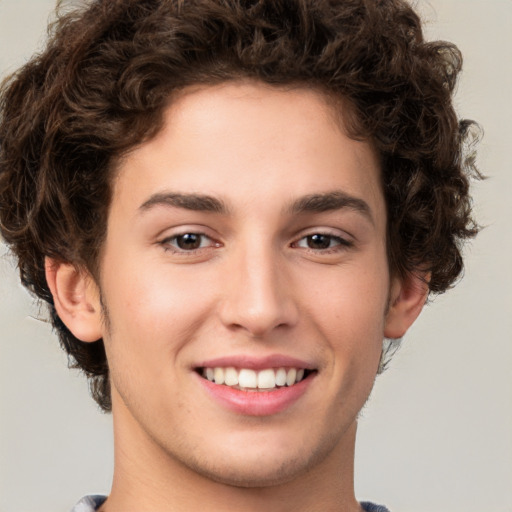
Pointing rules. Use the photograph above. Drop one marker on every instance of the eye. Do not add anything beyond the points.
(322, 242)
(188, 242)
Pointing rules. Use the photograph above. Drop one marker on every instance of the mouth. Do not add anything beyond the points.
(248, 379)
(256, 386)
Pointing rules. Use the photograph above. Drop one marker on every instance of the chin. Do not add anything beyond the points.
(264, 468)
(248, 476)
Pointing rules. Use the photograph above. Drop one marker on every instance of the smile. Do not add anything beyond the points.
(254, 380)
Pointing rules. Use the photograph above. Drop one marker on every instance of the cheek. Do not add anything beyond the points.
(355, 296)
(151, 308)
(153, 315)
(349, 309)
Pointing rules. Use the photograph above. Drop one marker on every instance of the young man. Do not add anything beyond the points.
(227, 206)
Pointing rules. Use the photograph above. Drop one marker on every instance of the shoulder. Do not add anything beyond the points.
(89, 504)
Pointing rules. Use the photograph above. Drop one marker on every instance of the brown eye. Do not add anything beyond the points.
(189, 241)
(322, 242)
(319, 241)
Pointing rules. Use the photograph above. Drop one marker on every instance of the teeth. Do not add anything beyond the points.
(281, 377)
(266, 379)
(231, 377)
(218, 375)
(291, 376)
(246, 378)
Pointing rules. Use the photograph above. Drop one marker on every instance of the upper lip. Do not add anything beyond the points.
(256, 363)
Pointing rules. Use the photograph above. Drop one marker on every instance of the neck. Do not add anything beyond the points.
(146, 477)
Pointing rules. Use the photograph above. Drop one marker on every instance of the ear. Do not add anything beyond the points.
(407, 298)
(76, 298)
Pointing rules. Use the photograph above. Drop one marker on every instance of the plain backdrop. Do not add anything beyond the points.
(436, 435)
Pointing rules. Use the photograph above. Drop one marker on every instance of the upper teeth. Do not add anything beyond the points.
(247, 378)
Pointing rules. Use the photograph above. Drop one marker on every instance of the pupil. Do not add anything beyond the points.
(189, 241)
(319, 241)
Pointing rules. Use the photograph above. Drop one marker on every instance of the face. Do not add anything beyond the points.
(246, 284)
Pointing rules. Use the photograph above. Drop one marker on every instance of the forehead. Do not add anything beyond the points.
(251, 141)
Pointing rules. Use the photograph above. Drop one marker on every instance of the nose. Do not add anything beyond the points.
(258, 296)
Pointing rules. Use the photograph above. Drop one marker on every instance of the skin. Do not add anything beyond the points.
(256, 286)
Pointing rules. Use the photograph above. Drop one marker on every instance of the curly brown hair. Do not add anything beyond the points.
(110, 67)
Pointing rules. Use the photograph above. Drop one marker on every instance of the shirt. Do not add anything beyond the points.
(92, 503)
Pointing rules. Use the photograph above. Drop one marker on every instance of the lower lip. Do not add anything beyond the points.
(256, 403)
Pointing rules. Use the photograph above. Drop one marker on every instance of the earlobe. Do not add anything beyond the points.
(407, 298)
(76, 299)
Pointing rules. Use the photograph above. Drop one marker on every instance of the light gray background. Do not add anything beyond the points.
(437, 433)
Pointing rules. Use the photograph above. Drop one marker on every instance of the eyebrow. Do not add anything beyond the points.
(324, 202)
(315, 203)
(197, 202)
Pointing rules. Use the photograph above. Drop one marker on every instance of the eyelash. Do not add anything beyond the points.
(168, 243)
(340, 243)
(171, 243)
